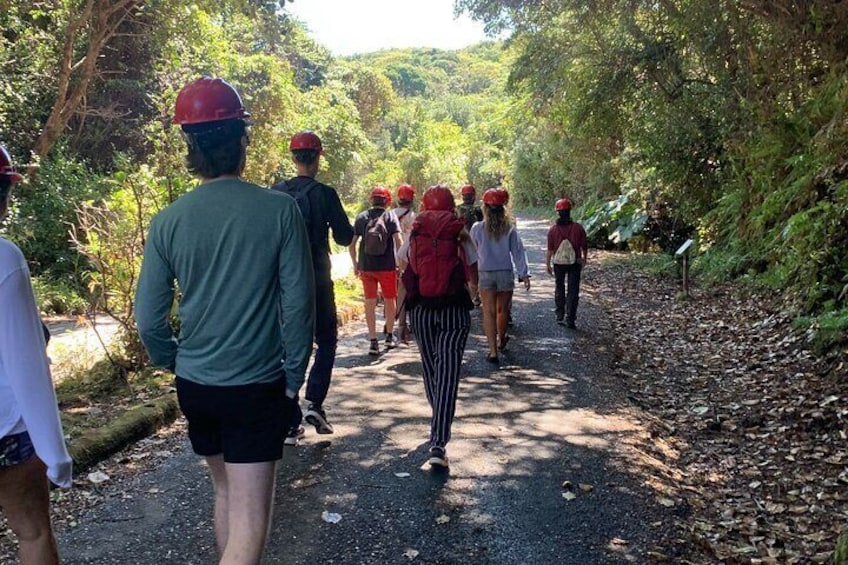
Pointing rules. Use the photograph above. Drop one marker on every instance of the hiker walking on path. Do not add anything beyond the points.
(498, 246)
(32, 445)
(438, 254)
(405, 216)
(239, 254)
(376, 264)
(472, 213)
(469, 210)
(322, 210)
(568, 251)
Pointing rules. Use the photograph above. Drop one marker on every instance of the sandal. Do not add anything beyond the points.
(503, 343)
(493, 359)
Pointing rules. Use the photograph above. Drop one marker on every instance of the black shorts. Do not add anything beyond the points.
(245, 423)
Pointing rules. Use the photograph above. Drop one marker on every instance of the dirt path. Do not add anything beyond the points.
(547, 416)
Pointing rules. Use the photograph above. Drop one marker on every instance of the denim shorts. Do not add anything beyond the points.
(15, 449)
(501, 281)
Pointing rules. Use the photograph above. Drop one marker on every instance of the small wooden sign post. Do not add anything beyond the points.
(683, 251)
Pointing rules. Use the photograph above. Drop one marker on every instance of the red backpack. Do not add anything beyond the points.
(435, 255)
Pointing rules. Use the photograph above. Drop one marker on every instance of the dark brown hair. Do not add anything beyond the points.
(214, 148)
(305, 156)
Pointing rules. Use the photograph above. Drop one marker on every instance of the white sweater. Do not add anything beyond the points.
(27, 399)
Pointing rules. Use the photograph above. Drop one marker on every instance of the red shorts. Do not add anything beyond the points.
(387, 280)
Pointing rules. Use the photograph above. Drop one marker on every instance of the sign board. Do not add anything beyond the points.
(686, 245)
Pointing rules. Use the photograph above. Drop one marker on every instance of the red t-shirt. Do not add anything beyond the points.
(573, 232)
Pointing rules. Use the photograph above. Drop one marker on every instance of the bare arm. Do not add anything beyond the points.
(352, 250)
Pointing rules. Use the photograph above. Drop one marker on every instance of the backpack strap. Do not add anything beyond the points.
(306, 189)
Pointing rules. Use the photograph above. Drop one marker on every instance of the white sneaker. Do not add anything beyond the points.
(294, 436)
(438, 458)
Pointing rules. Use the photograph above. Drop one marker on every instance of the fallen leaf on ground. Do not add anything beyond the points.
(443, 519)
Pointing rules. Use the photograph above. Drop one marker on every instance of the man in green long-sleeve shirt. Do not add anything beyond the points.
(239, 255)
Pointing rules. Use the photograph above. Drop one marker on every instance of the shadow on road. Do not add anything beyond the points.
(545, 462)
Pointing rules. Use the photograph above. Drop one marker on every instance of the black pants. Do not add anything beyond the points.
(566, 304)
(441, 334)
(326, 341)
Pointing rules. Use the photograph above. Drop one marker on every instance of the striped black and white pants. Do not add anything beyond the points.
(441, 334)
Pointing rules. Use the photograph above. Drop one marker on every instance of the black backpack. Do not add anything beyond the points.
(301, 196)
(377, 238)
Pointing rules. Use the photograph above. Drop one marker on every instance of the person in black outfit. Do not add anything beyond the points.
(322, 210)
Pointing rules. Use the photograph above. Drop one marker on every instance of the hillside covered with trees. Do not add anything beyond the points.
(663, 121)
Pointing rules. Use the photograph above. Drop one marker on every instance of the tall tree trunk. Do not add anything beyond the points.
(99, 20)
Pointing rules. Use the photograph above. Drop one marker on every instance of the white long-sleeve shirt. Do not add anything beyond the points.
(27, 399)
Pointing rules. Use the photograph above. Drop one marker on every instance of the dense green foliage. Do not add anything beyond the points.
(86, 96)
(727, 118)
(723, 121)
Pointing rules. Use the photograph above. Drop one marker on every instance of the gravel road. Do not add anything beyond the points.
(548, 415)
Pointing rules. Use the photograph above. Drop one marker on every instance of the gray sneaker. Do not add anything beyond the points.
(390, 341)
(315, 416)
(374, 348)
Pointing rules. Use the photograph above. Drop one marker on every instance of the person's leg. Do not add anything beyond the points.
(490, 305)
(326, 341)
(573, 294)
(391, 310)
(371, 317)
(425, 336)
(221, 511)
(388, 284)
(369, 290)
(253, 431)
(453, 326)
(294, 428)
(25, 499)
(403, 328)
(559, 291)
(475, 293)
(250, 497)
(503, 301)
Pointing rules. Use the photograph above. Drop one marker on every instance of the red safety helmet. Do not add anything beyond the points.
(438, 197)
(406, 192)
(467, 189)
(563, 204)
(208, 100)
(7, 169)
(306, 139)
(495, 197)
(381, 192)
